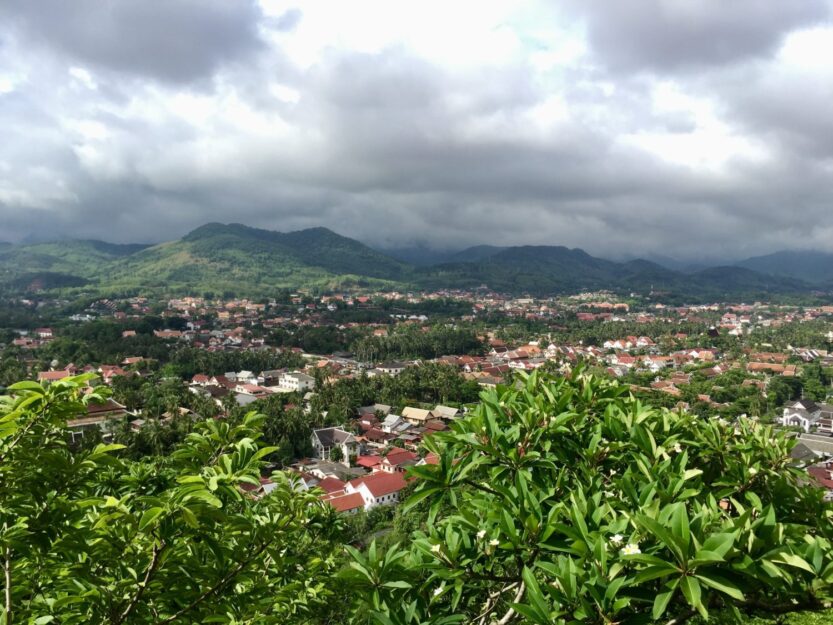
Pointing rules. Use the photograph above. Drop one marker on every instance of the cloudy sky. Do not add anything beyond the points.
(676, 127)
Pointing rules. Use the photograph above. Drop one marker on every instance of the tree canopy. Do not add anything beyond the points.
(568, 501)
(556, 500)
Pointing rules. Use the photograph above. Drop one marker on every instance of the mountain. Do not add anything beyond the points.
(58, 264)
(234, 259)
(418, 255)
(475, 254)
(813, 267)
(544, 270)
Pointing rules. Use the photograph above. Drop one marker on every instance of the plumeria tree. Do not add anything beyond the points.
(87, 536)
(567, 501)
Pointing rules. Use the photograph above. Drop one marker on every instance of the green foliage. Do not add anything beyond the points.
(87, 536)
(414, 342)
(235, 259)
(567, 501)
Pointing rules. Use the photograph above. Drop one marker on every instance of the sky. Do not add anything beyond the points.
(683, 128)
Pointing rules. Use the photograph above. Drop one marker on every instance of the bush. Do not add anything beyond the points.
(568, 501)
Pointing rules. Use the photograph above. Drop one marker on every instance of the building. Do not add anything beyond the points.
(378, 489)
(325, 440)
(417, 416)
(808, 416)
(296, 381)
(98, 415)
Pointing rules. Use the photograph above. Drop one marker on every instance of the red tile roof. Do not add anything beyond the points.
(331, 484)
(345, 503)
(381, 484)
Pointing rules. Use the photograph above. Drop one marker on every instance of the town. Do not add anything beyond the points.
(352, 384)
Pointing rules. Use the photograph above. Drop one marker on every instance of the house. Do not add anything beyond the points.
(348, 503)
(378, 489)
(397, 459)
(392, 368)
(369, 411)
(296, 381)
(417, 416)
(97, 417)
(332, 485)
(394, 424)
(53, 376)
(445, 412)
(327, 439)
(44, 333)
(808, 416)
(822, 475)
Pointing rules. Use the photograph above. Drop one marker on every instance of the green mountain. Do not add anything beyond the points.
(59, 264)
(813, 267)
(228, 259)
(235, 258)
(556, 269)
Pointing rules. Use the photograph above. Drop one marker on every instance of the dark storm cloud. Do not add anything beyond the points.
(672, 35)
(175, 41)
(192, 112)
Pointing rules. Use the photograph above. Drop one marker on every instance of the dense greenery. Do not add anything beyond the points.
(556, 501)
(88, 537)
(416, 342)
(568, 502)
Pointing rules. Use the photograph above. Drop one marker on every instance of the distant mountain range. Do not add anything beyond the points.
(236, 259)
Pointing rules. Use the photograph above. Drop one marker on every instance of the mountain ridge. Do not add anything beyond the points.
(235, 258)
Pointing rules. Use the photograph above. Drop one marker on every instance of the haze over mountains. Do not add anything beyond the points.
(234, 258)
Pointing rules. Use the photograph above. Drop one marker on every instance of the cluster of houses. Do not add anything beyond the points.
(246, 387)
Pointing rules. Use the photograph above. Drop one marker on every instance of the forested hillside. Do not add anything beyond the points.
(234, 259)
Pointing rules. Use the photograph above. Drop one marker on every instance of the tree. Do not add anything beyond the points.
(89, 537)
(568, 501)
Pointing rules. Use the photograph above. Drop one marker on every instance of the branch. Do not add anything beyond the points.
(491, 603)
(681, 618)
(210, 591)
(482, 487)
(154, 563)
(7, 572)
(508, 616)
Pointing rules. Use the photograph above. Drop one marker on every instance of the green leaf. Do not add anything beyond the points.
(691, 592)
(149, 516)
(719, 544)
(793, 560)
(27, 385)
(722, 584)
(661, 602)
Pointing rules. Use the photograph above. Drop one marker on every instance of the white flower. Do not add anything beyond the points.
(678, 449)
(481, 534)
(753, 471)
(631, 549)
(436, 548)
(494, 542)
(438, 590)
(617, 539)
